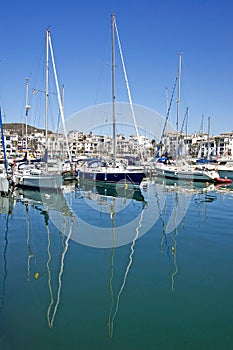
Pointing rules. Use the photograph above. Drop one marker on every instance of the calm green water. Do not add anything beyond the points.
(101, 269)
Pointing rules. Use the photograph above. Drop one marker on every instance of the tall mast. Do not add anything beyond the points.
(208, 152)
(27, 107)
(3, 144)
(202, 122)
(186, 130)
(178, 102)
(47, 86)
(113, 92)
(128, 91)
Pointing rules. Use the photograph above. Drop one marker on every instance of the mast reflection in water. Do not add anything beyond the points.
(105, 267)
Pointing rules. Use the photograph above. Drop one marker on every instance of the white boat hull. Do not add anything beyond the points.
(4, 185)
(43, 181)
(170, 172)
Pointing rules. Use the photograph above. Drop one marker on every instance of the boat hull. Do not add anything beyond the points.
(173, 174)
(43, 181)
(4, 185)
(133, 178)
(226, 173)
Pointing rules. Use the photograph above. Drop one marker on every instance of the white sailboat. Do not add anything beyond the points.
(35, 174)
(180, 169)
(102, 172)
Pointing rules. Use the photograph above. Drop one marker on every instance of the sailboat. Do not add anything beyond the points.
(180, 169)
(35, 174)
(103, 172)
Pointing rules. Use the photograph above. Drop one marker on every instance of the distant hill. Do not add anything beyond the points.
(20, 128)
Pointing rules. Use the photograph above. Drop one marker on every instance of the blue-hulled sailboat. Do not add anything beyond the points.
(101, 172)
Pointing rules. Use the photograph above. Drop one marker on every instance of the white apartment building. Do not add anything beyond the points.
(198, 145)
(195, 145)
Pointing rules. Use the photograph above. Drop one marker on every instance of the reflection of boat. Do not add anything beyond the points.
(115, 300)
(54, 210)
(178, 197)
(50, 199)
(113, 191)
(96, 170)
(6, 211)
(116, 205)
(6, 204)
(185, 184)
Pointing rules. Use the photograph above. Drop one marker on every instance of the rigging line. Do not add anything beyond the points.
(166, 119)
(127, 269)
(128, 90)
(185, 119)
(38, 67)
(59, 95)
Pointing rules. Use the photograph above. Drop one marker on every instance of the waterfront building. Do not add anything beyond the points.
(89, 144)
(198, 144)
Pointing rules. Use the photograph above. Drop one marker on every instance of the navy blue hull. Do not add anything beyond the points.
(131, 178)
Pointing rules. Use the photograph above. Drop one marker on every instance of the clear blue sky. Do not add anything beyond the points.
(152, 35)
